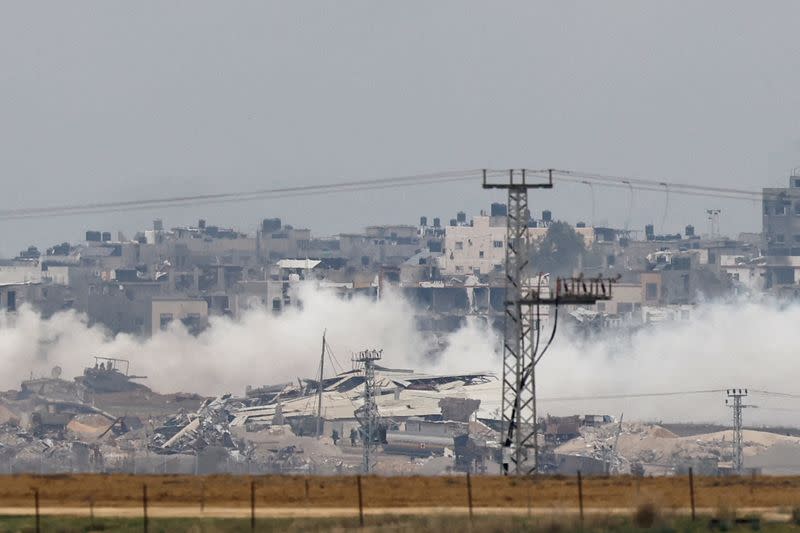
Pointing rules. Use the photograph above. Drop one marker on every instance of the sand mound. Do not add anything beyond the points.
(661, 433)
(7, 415)
(88, 426)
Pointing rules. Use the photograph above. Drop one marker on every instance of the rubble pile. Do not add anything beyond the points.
(602, 443)
(24, 451)
(194, 432)
(659, 451)
(622, 446)
(279, 450)
(431, 425)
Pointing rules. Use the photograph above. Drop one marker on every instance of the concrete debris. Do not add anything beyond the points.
(22, 451)
(430, 424)
(403, 393)
(192, 433)
(653, 450)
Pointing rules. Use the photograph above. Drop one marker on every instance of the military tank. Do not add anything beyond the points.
(109, 374)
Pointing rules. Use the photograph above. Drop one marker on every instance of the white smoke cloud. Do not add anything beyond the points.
(725, 345)
(260, 348)
(748, 345)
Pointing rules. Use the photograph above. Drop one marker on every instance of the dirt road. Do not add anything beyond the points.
(341, 492)
(767, 513)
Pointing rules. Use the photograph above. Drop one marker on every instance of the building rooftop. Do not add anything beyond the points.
(306, 264)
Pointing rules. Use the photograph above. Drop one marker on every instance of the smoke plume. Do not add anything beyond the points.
(748, 345)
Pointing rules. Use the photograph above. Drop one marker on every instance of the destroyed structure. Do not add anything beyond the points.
(426, 424)
(109, 420)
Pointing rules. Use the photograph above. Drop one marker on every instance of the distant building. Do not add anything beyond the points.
(278, 241)
(381, 245)
(781, 218)
(480, 248)
(20, 272)
(192, 312)
(123, 307)
(12, 296)
(626, 299)
(748, 274)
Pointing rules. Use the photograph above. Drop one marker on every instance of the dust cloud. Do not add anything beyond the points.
(745, 344)
(725, 345)
(259, 348)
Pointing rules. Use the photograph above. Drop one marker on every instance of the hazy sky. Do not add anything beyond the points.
(119, 100)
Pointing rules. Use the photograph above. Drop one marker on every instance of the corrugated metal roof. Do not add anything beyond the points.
(306, 264)
(411, 402)
(20, 284)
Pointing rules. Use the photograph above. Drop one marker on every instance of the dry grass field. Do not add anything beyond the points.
(393, 492)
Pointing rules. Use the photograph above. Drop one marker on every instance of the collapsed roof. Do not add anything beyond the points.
(401, 393)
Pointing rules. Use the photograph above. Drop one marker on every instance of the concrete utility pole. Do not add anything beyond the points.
(367, 415)
(734, 401)
(521, 342)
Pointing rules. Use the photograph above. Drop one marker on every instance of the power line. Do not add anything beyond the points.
(776, 394)
(259, 194)
(621, 184)
(656, 183)
(222, 201)
(662, 394)
(632, 395)
(660, 185)
(350, 186)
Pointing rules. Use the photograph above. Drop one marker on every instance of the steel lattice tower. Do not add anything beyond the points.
(526, 294)
(518, 394)
(736, 404)
(367, 415)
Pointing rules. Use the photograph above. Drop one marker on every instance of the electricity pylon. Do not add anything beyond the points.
(525, 296)
(367, 415)
(734, 401)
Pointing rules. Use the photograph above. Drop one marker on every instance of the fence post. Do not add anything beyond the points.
(469, 495)
(306, 490)
(144, 506)
(252, 505)
(36, 505)
(691, 490)
(203, 496)
(360, 502)
(580, 494)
